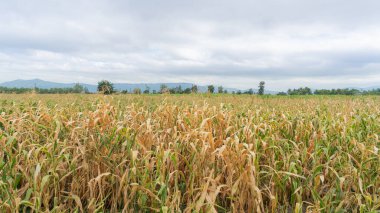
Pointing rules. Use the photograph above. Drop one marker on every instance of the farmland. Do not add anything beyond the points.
(189, 153)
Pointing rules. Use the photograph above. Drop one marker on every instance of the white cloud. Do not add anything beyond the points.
(237, 44)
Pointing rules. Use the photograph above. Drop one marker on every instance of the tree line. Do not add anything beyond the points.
(77, 88)
(106, 87)
(308, 91)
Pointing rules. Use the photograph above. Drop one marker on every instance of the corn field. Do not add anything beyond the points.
(189, 153)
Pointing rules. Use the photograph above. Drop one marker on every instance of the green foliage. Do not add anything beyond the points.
(105, 87)
(147, 90)
(176, 90)
(210, 88)
(249, 92)
(300, 91)
(220, 89)
(337, 92)
(261, 88)
(307, 91)
(137, 91)
(187, 91)
(194, 89)
(77, 88)
(164, 88)
(372, 92)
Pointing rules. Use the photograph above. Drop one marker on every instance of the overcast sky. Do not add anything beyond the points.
(287, 43)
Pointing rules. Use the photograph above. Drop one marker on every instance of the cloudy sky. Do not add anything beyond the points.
(287, 43)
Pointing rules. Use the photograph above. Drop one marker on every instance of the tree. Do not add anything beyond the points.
(250, 91)
(179, 89)
(137, 91)
(338, 92)
(220, 89)
(369, 92)
(187, 91)
(105, 87)
(300, 91)
(77, 88)
(86, 90)
(261, 88)
(194, 89)
(307, 91)
(211, 88)
(164, 89)
(176, 90)
(147, 90)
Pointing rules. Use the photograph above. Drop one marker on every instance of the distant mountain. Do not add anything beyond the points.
(371, 88)
(118, 86)
(42, 84)
(365, 88)
(126, 86)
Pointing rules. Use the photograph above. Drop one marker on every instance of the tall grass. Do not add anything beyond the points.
(189, 154)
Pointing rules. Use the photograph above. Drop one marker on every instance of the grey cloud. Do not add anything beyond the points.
(221, 41)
